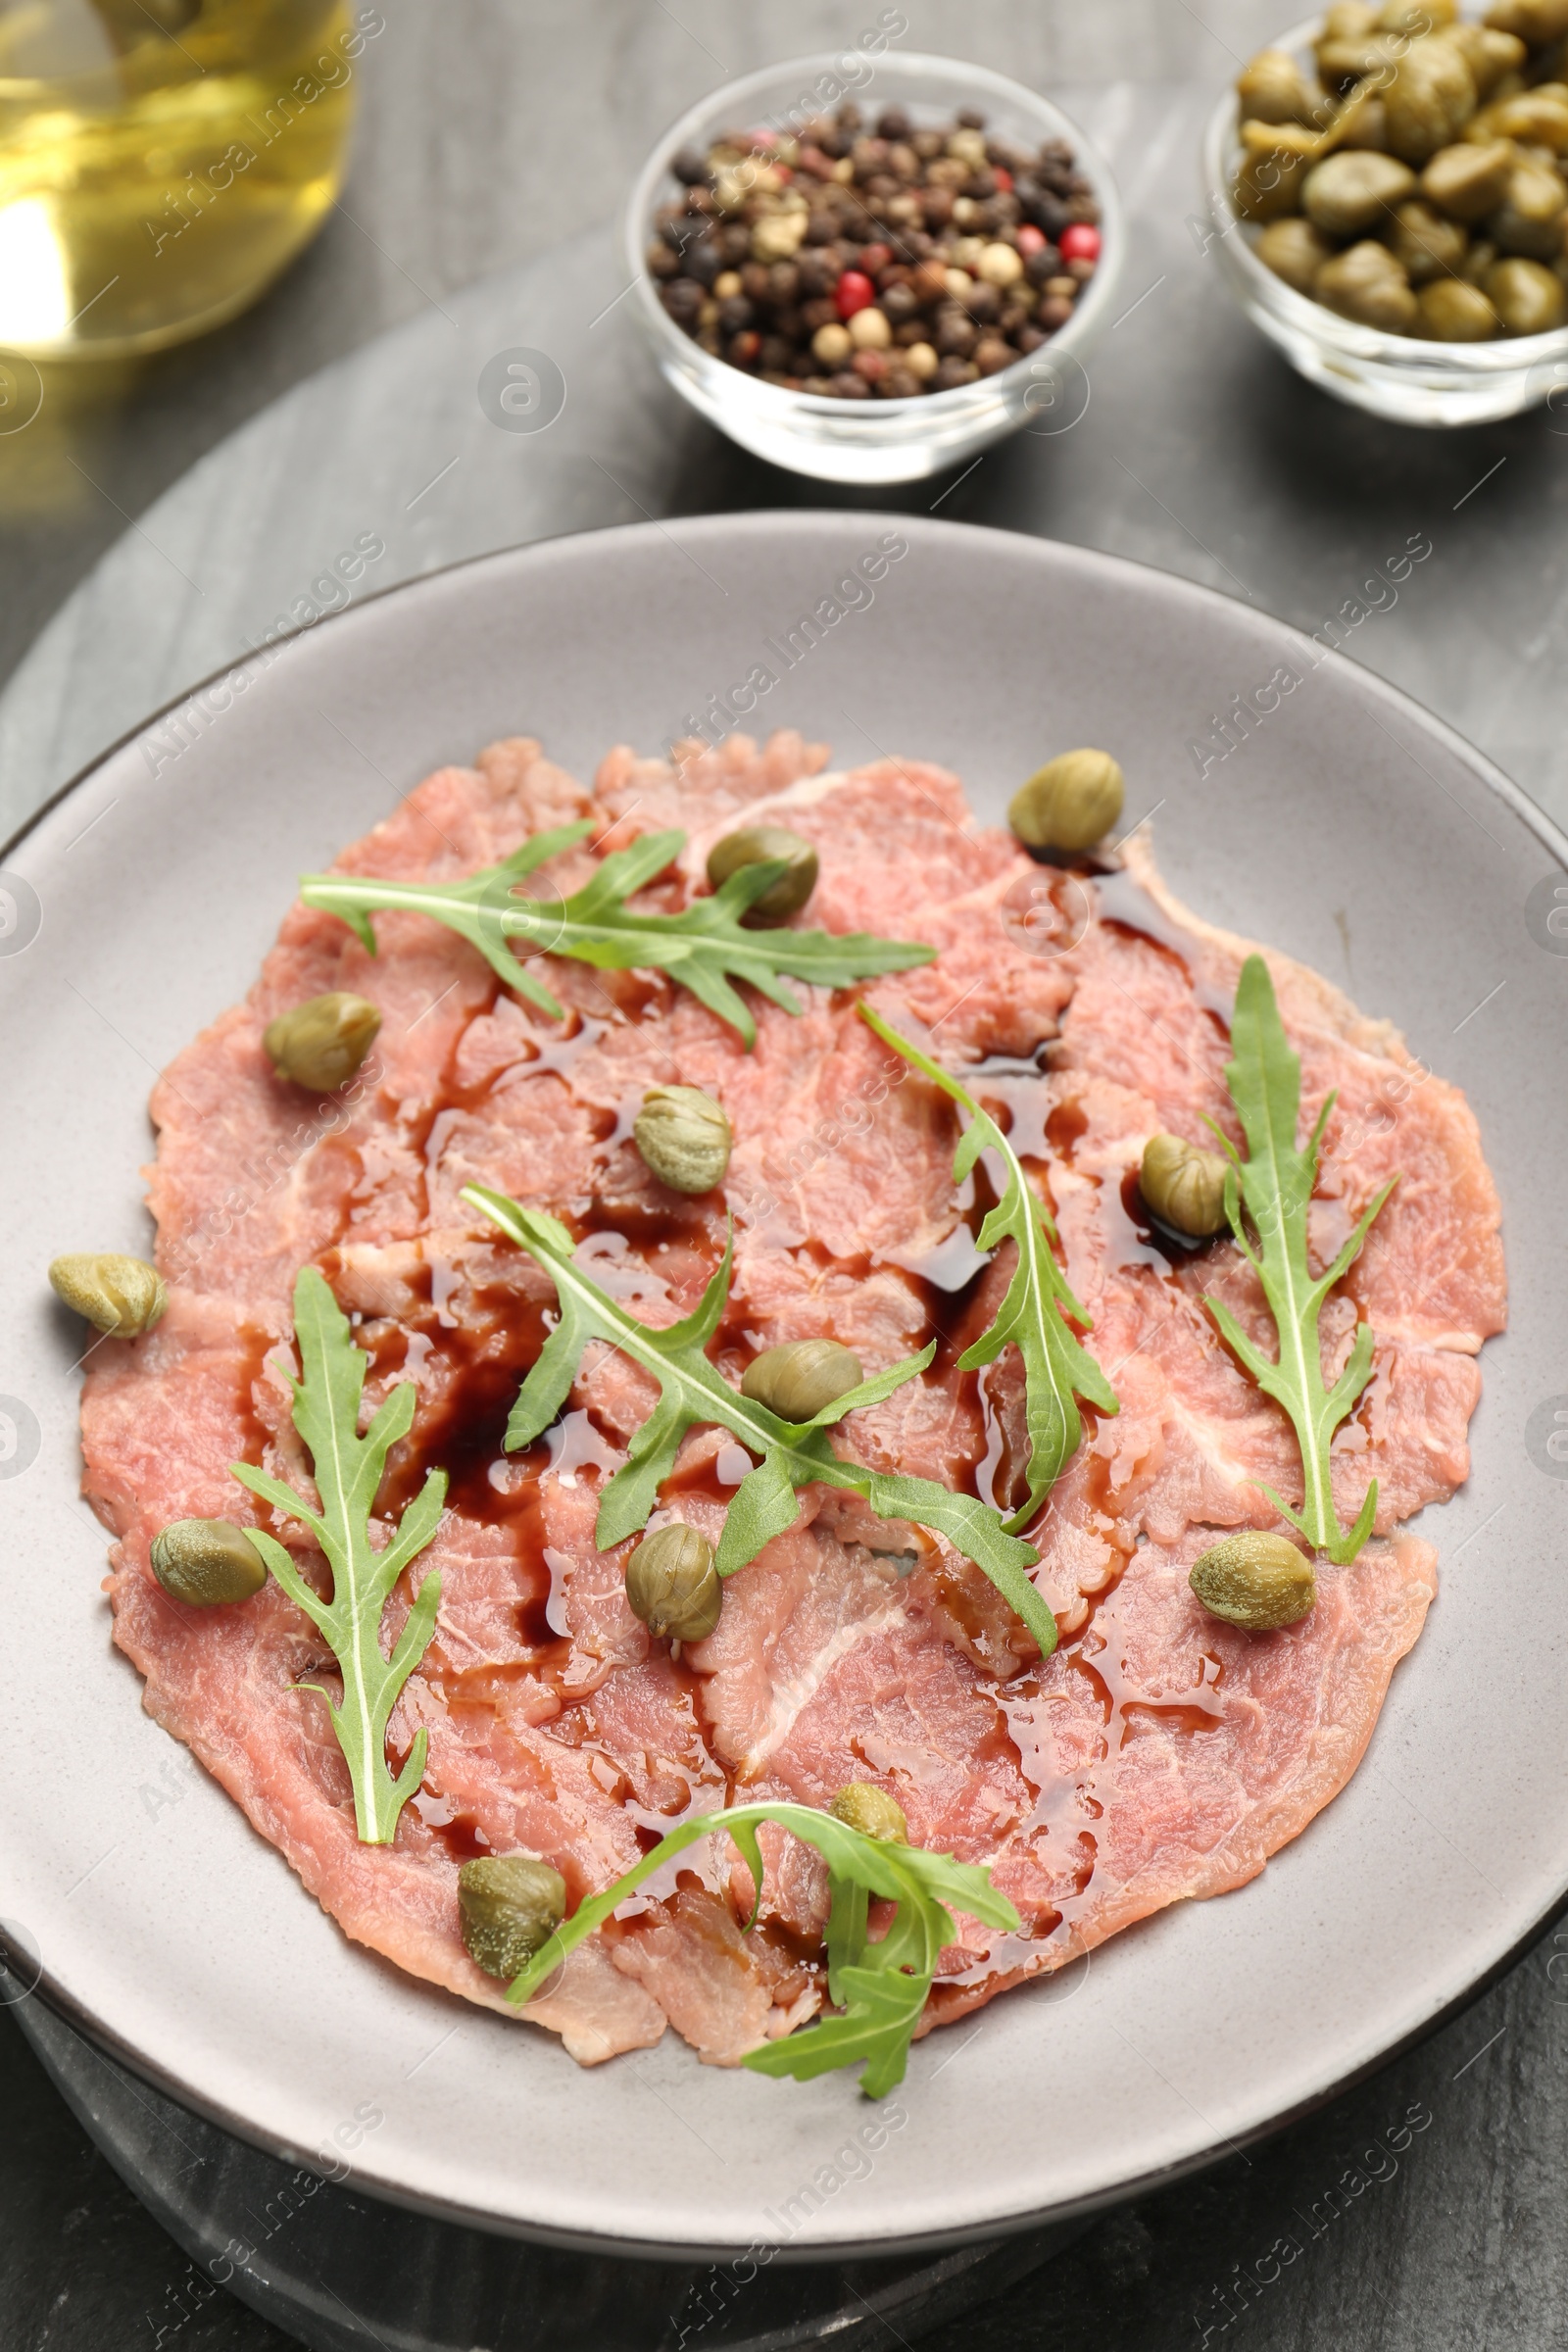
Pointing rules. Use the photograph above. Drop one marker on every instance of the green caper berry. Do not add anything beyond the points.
(1069, 804)
(123, 1296)
(1183, 1186)
(1258, 1581)
(321, 1044)
(870, 1810)
(207, 1562)
(684, 1137)
(672, 1584)
(509, 1905)
(757, 844)
(799, 1379)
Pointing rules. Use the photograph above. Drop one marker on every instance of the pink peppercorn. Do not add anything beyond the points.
(874, 258)
(1031, 239)
(1003, 177)
(853, 293)
(1080, 242)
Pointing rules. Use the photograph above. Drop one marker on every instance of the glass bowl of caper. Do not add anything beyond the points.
(1387, 193)
(866, 267)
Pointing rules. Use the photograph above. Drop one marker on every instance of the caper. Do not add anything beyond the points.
(1533, 20)
(1354, 191)
(1344, 60)
(1489, 53)
(1295, 251)
(1535, 116)
(799, 1379)
(1527, 298)
(1359, 122)
(1529, 219)
(1367, 284)
(1070, 803)
(1478, 262)
(1415, 15)
(207, 1562)
(1452, 311)
(863, 1806)
(1282, 142)
(1265, 187)
(1272, 88)
(321, 1044)
(1424, 243)
(672, 1584)
(509, 1905)
(684, 1137)
(759, 845)
(1183, 1186)
(123, 1296)
(1348, 20)
(1470, 179)
(1259, 1581)
(1429, 97)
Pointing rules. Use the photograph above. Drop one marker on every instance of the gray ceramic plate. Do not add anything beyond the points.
(1347, 828)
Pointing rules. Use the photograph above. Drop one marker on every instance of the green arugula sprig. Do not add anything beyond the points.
(348, 1470)
(791, 1454)
(880, 1988)
(1057, 1368)
(704, 946)
(1274, 1186)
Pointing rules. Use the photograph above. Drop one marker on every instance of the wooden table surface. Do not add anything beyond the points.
(1428, 2208)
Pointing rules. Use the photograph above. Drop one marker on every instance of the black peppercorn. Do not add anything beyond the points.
(703, 261)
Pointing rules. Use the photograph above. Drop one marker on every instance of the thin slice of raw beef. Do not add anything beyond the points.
(1158, 1754)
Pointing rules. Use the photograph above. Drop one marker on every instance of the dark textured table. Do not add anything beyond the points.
(1426, 2208)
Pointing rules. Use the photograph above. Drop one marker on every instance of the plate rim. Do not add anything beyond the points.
(1068, 554)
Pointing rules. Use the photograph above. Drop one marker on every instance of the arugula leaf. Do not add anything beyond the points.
(880, 1987)
(1274, 1185)
(704, 946)
(348, 1471)
(790, 1455)
(1032, 1317)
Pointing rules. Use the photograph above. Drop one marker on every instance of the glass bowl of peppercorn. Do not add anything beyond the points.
(867, 267)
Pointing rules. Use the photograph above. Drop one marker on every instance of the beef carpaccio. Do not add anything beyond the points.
(1158, 1753)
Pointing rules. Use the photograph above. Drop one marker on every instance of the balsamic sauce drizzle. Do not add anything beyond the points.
(469, 1369)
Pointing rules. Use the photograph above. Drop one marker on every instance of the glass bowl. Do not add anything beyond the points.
(1404, 377)
(158, 171)
(881, 440)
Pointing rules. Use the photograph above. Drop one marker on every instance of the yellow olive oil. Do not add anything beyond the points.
(162, 160)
